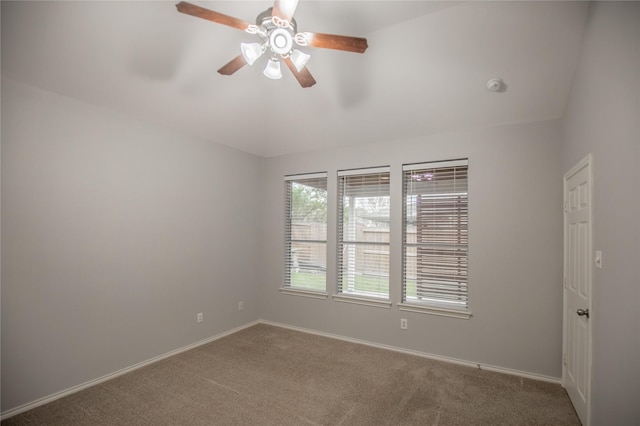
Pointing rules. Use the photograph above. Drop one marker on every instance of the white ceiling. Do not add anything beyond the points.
(424, 72)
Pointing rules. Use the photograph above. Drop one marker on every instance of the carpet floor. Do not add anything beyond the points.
(266, 375)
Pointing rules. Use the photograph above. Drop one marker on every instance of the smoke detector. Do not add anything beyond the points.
(496, 85)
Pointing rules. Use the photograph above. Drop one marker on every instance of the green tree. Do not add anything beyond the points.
(309, 203)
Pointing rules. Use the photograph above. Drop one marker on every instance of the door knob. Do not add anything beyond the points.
(583, 312)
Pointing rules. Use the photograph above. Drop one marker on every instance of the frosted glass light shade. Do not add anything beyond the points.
(251, 52)
(272, 70)
(299, 59)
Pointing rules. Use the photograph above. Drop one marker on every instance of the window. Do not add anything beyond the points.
(363, 233)
(435, 238)
(306, 232)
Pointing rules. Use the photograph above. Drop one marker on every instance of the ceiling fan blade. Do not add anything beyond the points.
(210, 15)
(234, 65)
(284, 9)
(304, 77)
(337, 42)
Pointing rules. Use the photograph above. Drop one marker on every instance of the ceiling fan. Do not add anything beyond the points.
(277, 31)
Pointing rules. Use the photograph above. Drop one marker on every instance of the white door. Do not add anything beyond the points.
(576, 370)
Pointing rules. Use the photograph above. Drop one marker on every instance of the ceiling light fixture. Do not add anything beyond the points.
(272, 70)
(276, 29)
(251, 51)
(299, 59)
(280, 41)
(278, 36)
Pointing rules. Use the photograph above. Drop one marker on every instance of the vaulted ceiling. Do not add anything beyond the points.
(424, 72)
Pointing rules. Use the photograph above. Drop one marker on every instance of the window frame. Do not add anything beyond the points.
(289, 240)
(444, 305)
(369, 298)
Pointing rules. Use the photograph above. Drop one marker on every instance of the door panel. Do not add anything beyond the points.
(577, 294)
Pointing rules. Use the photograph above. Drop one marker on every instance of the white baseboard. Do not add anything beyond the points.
(487, 367)
(30, 405)
(78, 388)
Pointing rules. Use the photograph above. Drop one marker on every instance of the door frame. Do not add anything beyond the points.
(585, 162)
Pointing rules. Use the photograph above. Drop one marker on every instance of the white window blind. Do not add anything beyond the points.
(435, 235)
(306, 232)
(363, 232)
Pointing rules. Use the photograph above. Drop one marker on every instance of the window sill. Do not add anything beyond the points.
(452, 313)
(303, 293)
(378, 303)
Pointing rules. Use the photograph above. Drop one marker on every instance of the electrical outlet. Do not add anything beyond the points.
(240, 305)
(199, 317)
(403, 323)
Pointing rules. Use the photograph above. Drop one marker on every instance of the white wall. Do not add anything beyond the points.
(603, 118)
(515, 236)
(114, 235)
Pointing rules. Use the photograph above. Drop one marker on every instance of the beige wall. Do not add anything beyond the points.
(114, 236)
(603, 118)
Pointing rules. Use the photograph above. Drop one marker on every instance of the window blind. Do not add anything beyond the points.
(363, 232)
(306, 232)
(435, 234)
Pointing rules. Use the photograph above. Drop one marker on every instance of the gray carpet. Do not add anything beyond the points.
(267, 375)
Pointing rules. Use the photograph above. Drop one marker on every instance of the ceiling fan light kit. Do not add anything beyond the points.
(299, 59)
(251, 51)
(272, 70)
(277, 31)
(280, 41)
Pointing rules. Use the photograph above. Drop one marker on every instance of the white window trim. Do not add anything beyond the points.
(367, 301)
(303, 293)
(366, 171)
(446, 163)
(307, 176)
(424, 309)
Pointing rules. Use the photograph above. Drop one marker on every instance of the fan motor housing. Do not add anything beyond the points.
(264, 20)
